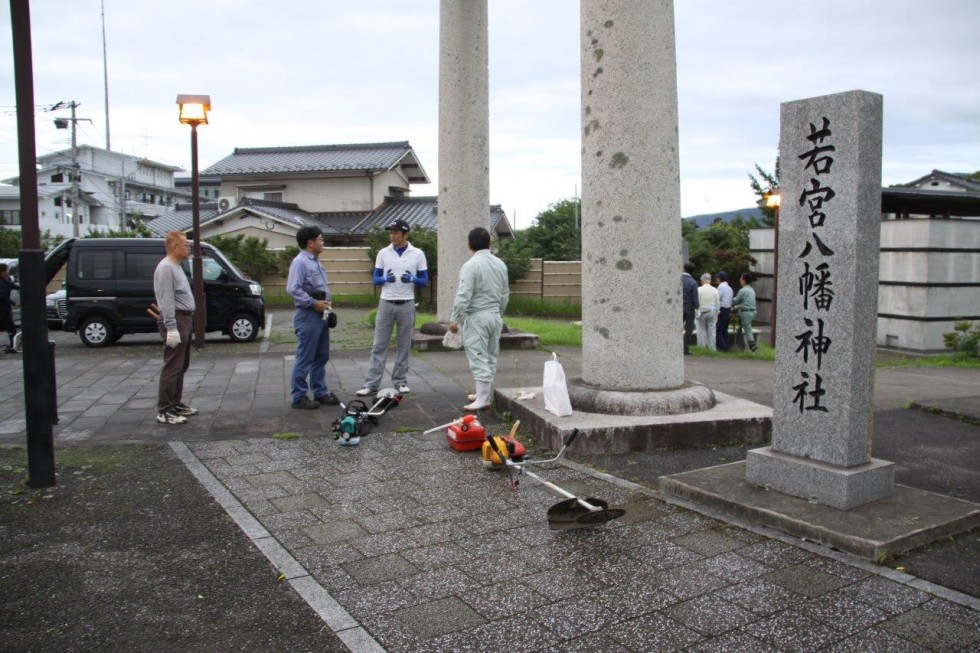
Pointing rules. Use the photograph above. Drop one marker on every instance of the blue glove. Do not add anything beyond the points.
(390, 277)
(407, 277)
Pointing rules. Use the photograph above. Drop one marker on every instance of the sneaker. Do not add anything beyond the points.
(365, 391)
(184, 410)
(306, 403)
(171, 417)
(328, 400)
(404, 389)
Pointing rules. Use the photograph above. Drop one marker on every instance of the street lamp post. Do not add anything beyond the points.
(772, 201)
(194, 111)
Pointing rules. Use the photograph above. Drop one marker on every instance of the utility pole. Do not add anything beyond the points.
(61, 123)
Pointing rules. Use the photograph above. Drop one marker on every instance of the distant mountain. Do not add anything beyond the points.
(707, 219)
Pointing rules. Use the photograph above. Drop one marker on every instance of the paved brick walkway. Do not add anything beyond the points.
(417, 548)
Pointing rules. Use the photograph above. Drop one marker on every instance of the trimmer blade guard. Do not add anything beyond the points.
(568, 514)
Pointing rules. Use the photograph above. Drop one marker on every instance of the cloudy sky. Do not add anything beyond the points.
(298, 72)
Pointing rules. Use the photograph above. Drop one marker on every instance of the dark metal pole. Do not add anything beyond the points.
(198, 265)
(39, 403)
(775, 278)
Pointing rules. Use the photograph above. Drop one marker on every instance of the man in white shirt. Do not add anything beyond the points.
(398, 269)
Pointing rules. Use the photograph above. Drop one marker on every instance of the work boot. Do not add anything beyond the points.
(483, 391)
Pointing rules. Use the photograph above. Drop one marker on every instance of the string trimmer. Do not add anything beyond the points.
(574, 512)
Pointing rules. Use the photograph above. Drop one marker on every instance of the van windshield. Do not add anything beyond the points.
(227, 263)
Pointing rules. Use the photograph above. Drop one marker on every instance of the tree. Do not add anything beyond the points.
(250, 254)
(516, 258)
(10, 242)
(721, 246)
(762, 187)
(138, 230)
(554, 236)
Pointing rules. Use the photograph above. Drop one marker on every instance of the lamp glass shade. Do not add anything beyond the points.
(772, 200)
(194, 109)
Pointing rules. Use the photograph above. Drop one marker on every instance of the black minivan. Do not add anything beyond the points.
(109, 286)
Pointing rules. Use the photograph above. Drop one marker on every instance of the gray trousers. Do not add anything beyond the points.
(389, 315)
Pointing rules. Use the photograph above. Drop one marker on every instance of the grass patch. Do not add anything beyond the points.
(543, 308)
(289, 435)
(938, 360)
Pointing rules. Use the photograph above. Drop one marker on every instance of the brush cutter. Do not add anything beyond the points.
(573, 512)
(358, 418)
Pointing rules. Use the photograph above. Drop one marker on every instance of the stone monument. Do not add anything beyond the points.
(829, 228)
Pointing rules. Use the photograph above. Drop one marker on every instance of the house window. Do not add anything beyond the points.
(272, 197)
(57, 178)
(10, 217)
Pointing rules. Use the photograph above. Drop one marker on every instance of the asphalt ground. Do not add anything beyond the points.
(130, 552)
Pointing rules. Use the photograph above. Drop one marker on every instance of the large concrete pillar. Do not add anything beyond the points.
(464, 135)
(631, 227)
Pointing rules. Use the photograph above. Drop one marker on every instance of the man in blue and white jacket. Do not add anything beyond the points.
(398, 269)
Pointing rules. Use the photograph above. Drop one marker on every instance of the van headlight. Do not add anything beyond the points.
(255, 289)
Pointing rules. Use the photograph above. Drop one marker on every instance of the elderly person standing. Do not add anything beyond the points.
(481, 299)
(689, 292)
(707, 313)
(173, 295)
(744, 306)
(725, 297)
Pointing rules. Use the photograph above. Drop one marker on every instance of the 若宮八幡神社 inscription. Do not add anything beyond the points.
(829, 226)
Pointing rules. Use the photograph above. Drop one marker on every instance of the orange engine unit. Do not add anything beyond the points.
(466, 436)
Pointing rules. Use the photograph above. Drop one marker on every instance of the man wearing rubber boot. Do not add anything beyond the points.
(481, 299)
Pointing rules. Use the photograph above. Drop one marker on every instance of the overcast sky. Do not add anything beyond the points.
(303, 72)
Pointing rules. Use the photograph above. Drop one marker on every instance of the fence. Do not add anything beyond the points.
(350, 270)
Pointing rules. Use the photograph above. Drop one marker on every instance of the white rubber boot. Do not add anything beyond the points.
(483, 391)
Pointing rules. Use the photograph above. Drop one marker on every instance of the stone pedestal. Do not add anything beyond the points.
(464, 134)
(829, 230)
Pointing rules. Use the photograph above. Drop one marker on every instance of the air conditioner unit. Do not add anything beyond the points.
(225, 203)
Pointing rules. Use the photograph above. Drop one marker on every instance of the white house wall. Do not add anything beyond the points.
(322, 194)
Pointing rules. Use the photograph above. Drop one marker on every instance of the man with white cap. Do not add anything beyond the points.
(708, 309)
(398, 269)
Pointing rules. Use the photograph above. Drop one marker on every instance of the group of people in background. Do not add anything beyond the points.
(711, 308)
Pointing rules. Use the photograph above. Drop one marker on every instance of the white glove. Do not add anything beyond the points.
(173, 338)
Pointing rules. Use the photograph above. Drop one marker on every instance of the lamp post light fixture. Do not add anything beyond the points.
(194, 111)
(772, 201)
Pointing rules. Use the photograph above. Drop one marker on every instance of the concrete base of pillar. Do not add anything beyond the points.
(689, 398)
(731, 420)
(429, 338)
(907, 519)
(838, 487)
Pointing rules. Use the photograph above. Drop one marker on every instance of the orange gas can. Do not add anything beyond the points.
(468, 436)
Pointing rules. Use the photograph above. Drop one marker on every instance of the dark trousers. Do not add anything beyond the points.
(721, 330)
(7, 321)
(688, 325)
(176, 360)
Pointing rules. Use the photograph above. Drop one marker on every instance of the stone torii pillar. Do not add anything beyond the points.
(464, 135)
(632, 340)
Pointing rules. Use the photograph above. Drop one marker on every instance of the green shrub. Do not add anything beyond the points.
(964, 338)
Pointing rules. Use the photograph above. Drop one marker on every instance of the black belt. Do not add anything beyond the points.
(183, 312)
(398, 301)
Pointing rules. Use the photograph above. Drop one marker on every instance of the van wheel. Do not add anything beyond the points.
(243, 328)
(96, 332)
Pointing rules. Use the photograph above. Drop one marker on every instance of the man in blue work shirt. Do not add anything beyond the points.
(307, 285)
(398, 269)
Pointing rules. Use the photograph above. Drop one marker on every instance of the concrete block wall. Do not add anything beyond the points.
(929, 276)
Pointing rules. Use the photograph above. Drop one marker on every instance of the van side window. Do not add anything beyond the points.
(141, 265)
(94, 265)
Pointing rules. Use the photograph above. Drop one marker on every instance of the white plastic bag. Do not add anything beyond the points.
(453, 340)
(555, 390)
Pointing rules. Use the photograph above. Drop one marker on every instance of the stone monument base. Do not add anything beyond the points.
(689, 398)
(732, 420)
(429, 338)
(838, 487)
(905, 520)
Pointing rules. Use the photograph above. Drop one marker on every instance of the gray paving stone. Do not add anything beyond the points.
(760, 597)
(389, 521)
(708, 543)
(654, 632)
(594, 643)
(503, 600)
(734, 567)
(288, 520)
(334, 531)
(446, 615)
(793, 631)
(517, 634)
(438, 583)
(710, 615)
(562, 582)
(382, 543)
(662, 555)
(932, 630)
(383, 597)
(875, 640)
(732, 642)
(438, 555)
(633, 596)
(887, 595)
(842, 611)
(775, 554)
(806, 580)
(953, 611)
(376, 570)
(690, 580)
(300, 502)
